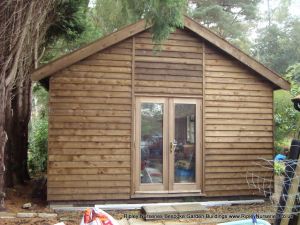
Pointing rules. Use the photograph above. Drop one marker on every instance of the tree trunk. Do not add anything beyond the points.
(3, 139)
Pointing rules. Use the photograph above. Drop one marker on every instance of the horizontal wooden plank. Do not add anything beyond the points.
(122, 44)
(89, 171)
(152, 77)
(170, 48)
(238, 98)
(239, 92)
(171, 90)
(81, 145)
(260, 116)
(167, 84)
(168, 60)
(99, 75)
(211, 55)
(95, 191)
(222, 62)
(213, 121)
(231, 104)
(222, 152)
(242, 156)
(241, 181)
(89, 197)
(223, 133)
(88, 164)
(239, 139)
(236, 75)
(172, 36)
(238, 128)
(87, 177)
(110, 139)
(117, 55)
(184, 55)
(90, 158)
(238, 110)
(93, 125)
(226, 80)
(225, 68)
(88, 87)
(90, 151)
(91, 93)
(89, 112)
(236, 175)
(176, 72)
(170, 66)
(119, 51)
(88, 184)
(104, 69)
(229, 187)
(91, 100)
(234, 193)
(90, 119)
(236, 164)
(94, 132)
(214, 145)
(93, 81)
(108, 63)
(234, 169)
(172, 42)
(87, 106)
(231, 86)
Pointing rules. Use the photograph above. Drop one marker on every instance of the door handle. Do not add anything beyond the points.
(172, 147)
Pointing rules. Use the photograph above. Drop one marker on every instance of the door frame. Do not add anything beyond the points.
(176, 187)
(168, 186)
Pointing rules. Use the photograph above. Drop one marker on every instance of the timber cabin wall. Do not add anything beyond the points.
(90, 127)
(238, 125)
(92, 107)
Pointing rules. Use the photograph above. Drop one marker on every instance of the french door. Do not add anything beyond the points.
(168, 140)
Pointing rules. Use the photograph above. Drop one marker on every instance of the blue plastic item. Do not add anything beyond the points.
(279, 157)
(246, 222)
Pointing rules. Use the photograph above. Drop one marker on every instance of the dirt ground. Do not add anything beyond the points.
(22, 194)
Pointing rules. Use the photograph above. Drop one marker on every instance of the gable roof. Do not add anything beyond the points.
(131, 30)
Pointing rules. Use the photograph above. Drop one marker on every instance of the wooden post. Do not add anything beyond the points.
(290, 185)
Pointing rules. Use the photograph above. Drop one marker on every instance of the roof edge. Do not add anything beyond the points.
(235, 52)
(87, 50)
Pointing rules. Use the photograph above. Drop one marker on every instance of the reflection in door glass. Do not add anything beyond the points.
(151, 142)
(185, 128)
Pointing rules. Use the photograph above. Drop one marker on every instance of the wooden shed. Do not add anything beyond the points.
(127, 122)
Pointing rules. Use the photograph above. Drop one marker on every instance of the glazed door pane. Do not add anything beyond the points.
(184, 143)
(151, 144)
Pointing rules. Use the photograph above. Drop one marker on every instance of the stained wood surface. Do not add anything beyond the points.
(176, 68)
(239, 125)
(90, 128)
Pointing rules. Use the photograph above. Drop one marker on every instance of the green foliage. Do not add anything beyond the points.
(68, 20)
(230, 19)
(164, 15)
(110, 15)
(38, 139)
(287, 119)
(277, 45)
(60, 43)
(279, 168)
(293, 75)
(38, 131)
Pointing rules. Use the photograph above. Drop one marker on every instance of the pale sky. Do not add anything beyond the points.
(294, 9)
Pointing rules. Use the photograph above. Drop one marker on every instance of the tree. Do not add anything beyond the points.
(228, 18)
(277, 45)
(287, 119)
